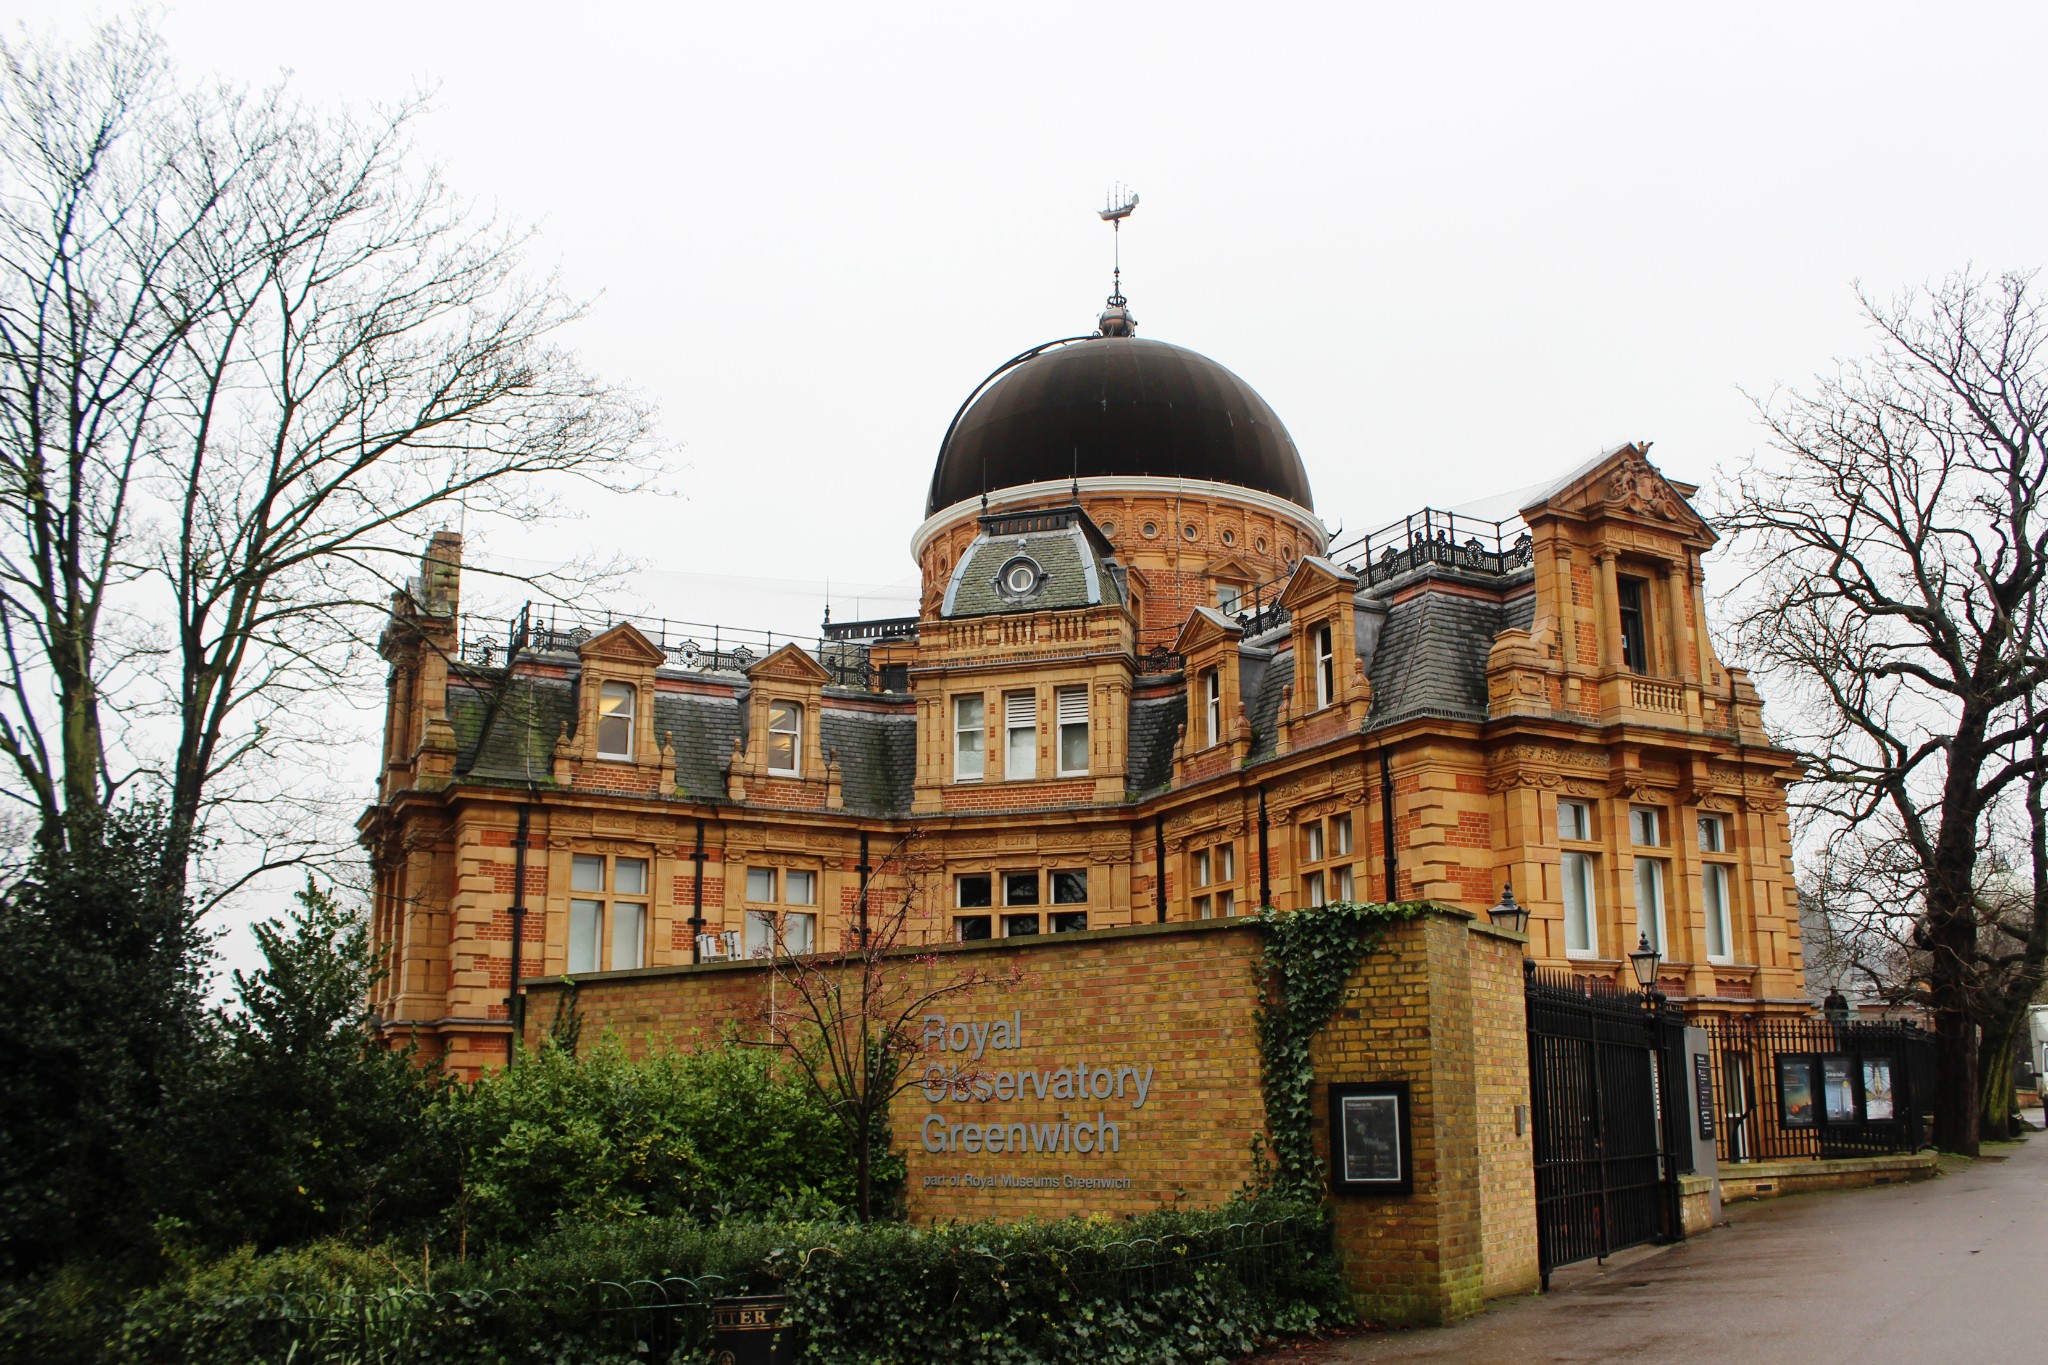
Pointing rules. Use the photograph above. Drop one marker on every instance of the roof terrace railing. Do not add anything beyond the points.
(1428, 536)
(696, 646)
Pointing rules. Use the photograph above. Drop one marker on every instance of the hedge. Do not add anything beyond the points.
(1167, 1287)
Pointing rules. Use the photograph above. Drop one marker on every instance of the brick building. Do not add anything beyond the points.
(1141, 687)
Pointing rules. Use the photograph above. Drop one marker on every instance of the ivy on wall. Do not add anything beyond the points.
(1305, 958)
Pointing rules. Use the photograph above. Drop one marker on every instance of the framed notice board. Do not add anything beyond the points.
(1370, 1151)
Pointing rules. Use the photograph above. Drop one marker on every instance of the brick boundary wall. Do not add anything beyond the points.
(1152, 1029)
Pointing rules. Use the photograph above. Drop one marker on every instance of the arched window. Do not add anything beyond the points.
(615, 702)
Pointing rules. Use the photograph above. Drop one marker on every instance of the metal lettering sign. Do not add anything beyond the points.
(1703, 1093)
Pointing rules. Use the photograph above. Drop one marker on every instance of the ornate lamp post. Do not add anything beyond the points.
(1643, 961)
(1508, 915)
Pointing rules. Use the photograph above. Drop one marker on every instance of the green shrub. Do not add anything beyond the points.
(704, 1136)
(1169, 1287)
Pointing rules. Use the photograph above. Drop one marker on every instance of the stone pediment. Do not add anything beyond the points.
(623, 643)
(1315, 577)
(1625, 483)
(790, 664)
(1232, 569)
(1205, 626)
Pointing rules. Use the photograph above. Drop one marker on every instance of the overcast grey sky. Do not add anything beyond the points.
(1456, 247)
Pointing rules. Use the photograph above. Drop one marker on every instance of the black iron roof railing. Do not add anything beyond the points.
(1428, 536)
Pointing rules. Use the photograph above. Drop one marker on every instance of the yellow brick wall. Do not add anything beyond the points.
(1438, 1005)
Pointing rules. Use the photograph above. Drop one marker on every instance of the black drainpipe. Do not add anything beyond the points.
(1159, 864)
(1265, 876)
(1393, 864)
(863, 869)
(513, 1000)
(697, 898)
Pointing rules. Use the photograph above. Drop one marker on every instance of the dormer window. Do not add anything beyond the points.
(1326, 666)
(1020, 579)
(615, 705)
(1212, 706)
(785, 738)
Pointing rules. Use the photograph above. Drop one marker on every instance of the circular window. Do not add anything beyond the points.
(1262, 545)
(1189, 532)
(1109, 528)
(1230, 538)
(1020, 578)
(1151, 529)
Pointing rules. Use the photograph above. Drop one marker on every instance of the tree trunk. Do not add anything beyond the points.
(1994, 1070)
(863, 1196)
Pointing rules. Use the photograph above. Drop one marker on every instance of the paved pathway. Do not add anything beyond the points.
(1948, 1270)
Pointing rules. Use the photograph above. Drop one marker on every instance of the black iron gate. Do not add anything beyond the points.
(1606, 1099)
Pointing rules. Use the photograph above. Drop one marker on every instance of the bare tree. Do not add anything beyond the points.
(852, 1019)
(1896, 560)
(248, 355)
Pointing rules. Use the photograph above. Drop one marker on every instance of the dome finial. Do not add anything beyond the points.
(1117, 319)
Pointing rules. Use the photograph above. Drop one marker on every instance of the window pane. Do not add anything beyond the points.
(975, 891)
(760, 941)
(1020, 888)
(1576, 874)
(629, 932)
(1650, 901)
(799, 932)
(784, 726)
(1715, 882)
(1312, 889)
(1314, 834)
(1710, 834)
(761, 884)
(800, 888)
(971, 927)
(1070, 888)
(1074, 748)
(1019, 926)
(1069, 921)
(1202, 867)
(1340, 832)
(1642, 827)
(1227, 858)
(586, 873)
(1340, 884)
(1574, 820)
(967, 737)
(584, 917)
(615, 720)
(629, 876)
(1020, 730)
(1202, 910)
(1226, 902)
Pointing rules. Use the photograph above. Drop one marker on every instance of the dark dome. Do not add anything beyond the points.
(1117, 405)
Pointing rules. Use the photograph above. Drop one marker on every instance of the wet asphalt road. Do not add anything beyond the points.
(1948, 1270)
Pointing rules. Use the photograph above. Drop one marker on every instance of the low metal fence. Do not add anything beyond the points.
(1788, 1089)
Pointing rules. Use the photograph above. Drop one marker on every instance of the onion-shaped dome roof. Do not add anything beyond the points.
(1117, 405)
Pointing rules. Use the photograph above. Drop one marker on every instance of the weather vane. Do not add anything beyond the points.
(1120, 204)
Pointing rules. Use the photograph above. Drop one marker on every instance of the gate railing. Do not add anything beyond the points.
(1606, 1097)
(1788, 1089)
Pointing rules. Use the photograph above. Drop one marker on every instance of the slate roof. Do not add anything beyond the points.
(877, 758)
(1075, 574)
(704, 729)
(1262, 681)
(1431, 659)
(528, 719)
(1155, 722)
